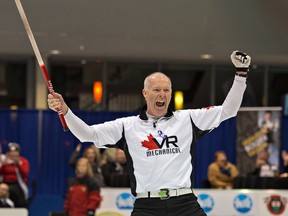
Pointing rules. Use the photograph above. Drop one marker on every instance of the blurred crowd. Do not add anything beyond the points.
(14, 170)
(97, 168)
(222, 173)
(93, 170)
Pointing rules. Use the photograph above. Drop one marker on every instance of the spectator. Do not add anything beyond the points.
(83, 195)
(15, 170)
(262, 166)
(116, 172)
(221, 173)
(5, 202)
(2, 158)
(92, 154)
(285, 163)
(107, 154)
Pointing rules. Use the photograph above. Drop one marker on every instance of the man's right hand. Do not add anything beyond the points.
(56, 102)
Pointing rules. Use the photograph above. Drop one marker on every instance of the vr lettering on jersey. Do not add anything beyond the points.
(155, 148)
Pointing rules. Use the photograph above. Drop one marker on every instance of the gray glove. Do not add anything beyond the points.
(241, 61)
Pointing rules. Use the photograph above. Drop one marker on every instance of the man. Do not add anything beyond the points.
(159, 143)
(221, 173)
(15, 170)
(262, 166)
(5, 202)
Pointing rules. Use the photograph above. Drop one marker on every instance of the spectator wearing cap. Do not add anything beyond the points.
(15, 170)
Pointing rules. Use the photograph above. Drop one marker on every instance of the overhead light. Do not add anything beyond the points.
(206, 56)
(97, 91)
(55, 52)
(13, 107)
(82, 47)
(178, 100)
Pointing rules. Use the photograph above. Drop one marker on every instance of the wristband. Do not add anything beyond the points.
(242, 73)
(243, 69)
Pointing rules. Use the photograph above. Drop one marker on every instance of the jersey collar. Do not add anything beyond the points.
(143, 114)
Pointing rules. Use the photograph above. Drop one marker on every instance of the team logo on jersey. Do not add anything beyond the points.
(167, 146)
(276, 204)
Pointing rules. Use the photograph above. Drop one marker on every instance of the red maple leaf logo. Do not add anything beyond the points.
(150, 144)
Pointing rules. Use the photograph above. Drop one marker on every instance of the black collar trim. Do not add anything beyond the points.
(143, 115)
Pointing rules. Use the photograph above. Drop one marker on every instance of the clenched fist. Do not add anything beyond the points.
(241, 61)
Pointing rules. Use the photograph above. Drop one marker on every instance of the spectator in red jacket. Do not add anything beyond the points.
(83, 196)
(15, 170)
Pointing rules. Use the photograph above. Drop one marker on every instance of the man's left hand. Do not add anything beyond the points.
(241, 61)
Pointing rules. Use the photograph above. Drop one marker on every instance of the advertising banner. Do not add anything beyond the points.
(119, 202)
(258, 130)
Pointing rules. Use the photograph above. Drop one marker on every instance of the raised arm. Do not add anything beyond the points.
(210, 117)
(234, 98)
(78, 127)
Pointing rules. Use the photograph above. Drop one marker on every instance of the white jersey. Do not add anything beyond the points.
(159, 152)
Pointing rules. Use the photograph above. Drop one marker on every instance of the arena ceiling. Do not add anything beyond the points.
(149, 29)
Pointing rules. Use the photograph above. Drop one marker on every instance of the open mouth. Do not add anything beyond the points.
(160, 104)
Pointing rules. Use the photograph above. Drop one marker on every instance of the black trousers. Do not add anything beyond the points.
(185, 205)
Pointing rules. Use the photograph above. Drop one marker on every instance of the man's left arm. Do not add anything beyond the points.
(234, 98)
(208, 118)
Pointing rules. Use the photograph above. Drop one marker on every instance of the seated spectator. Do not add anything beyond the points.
(221, 173)
(262, 166)
(92, 154)
(15, 170)
(285, 163)
(2, 158)
(5, 201)
(116, 172)
(83, 196)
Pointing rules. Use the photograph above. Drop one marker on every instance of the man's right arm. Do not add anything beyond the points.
(108, 133)
(78, 127)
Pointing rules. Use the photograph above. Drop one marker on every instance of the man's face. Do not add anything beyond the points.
(263, 156)
(221, 160)
(157, 94)
(4, 191)
(267, 116)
